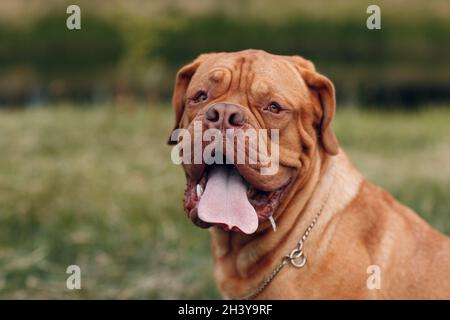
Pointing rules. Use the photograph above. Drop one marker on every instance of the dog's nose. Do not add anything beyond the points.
(224, 116)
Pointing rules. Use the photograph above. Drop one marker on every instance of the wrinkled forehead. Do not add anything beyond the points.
(251, 67)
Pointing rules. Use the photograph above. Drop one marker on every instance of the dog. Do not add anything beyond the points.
(337, 235)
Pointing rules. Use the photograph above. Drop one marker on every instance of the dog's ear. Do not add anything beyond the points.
(302, 63)
(324, 89)
(182, 81)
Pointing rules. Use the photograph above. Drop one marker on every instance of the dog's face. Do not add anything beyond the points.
(245, 91)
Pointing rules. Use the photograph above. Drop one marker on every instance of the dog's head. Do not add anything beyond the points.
(220, 95)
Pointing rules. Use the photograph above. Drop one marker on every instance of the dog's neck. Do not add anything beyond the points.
(243, 261)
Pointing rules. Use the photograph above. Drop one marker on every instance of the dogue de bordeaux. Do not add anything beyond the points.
(337, 235)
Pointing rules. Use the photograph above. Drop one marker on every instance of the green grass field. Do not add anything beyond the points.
(96, 188)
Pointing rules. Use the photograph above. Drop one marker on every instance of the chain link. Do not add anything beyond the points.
(296, 257)
(265, 282)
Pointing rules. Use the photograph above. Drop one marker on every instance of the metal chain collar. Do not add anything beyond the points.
(296, 258)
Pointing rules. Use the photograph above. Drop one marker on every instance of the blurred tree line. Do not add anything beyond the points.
(405, 64)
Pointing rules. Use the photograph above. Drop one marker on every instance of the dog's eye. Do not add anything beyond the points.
(274, 107)
(200, 96)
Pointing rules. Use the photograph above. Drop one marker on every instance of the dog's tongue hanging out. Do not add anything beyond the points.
(224, 201)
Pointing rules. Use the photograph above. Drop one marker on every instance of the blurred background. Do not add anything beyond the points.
(86, 177)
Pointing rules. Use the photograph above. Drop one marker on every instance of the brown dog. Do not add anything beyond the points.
(359, 242)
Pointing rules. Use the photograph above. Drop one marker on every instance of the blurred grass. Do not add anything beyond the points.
(135, 49)
(96, 188)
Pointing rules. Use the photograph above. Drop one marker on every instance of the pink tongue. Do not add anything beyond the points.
(224, 201)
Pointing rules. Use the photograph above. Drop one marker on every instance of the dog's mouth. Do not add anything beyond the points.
(223, 197)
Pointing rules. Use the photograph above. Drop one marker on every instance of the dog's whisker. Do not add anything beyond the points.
(272, 222)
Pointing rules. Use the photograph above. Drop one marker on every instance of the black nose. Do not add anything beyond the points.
(224, 116)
